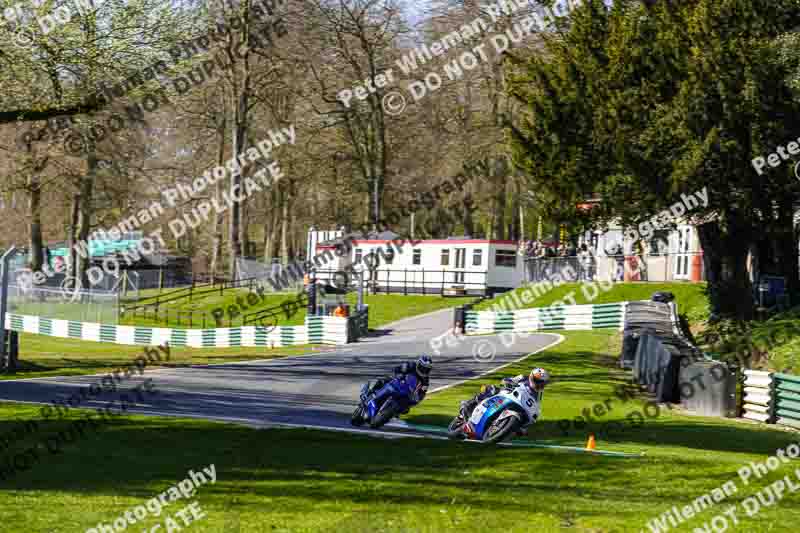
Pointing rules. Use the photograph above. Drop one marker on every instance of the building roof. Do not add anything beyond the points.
(384, 236)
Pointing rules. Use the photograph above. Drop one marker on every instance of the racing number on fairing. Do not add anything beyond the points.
(529, 402)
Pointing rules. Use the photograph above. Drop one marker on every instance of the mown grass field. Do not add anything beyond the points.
(384, 308)
(300, 480)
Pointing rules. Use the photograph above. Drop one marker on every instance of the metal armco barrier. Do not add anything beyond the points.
(669, 366)
(708, 388)
(757, 398)
(786, 395)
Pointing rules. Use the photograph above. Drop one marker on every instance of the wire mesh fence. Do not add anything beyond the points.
(81, 305)
(262, 272)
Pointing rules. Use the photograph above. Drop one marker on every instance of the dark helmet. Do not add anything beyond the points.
(424, 365)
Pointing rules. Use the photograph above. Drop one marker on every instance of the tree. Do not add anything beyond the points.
(642, 103)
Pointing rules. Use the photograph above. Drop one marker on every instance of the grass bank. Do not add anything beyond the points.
(691, 297)
(310, 481)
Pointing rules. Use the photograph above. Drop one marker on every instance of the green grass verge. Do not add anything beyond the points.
(384, 308)
(388, 308)
(42, 356)
(304, 481)
(691, 297)
(208, 304)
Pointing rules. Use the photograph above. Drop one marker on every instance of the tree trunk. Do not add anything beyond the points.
(72, 240)
(498, 178)
(514, 226)
(240, 92)
(269, 233)
(725, 258)
(35, 216)
(81, 227)
(219, 218)
(244, 228)
(786, 248)
(285, 229)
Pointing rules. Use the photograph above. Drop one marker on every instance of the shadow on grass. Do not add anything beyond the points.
(140, 457)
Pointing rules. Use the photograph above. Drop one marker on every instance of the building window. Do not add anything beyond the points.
(445, 257)
(358, 255)
(477, 258)
(417, 259)
(505, 258)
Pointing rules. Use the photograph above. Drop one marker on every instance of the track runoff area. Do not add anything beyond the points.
(318, 390)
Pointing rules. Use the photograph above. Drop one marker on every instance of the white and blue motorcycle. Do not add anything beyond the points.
(498, 417)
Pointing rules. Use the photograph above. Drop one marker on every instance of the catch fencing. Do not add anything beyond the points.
(249, 269)
(83, 305)
(571, 269)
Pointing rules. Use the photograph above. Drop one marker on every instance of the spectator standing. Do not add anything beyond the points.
(585, 262)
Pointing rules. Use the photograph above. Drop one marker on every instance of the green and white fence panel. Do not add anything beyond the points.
(567, 317)
(246, 336)
(786, 390)
(757, 396)
(326, 329)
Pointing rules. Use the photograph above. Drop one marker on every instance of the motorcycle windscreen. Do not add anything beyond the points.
(484, 412)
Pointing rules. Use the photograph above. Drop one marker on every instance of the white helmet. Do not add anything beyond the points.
(539, 378)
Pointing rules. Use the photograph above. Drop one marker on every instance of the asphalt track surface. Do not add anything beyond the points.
(319, 389)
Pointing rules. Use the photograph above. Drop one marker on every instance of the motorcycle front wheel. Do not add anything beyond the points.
(358, 416)
(500, 429)
(456, 427)
(384, 414)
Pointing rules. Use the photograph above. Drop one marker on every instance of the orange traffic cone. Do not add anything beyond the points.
(590, 444)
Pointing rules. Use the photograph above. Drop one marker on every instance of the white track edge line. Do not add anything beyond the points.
(559, 340)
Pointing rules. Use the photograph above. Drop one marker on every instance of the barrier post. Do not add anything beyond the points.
(6, 355)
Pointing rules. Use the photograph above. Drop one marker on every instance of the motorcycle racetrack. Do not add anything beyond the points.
(327, 476)
(319, 389)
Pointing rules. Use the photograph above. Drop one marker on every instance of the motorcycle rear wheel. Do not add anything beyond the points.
(384, 414)
(456, 428)
(500, 429)
(358, 417)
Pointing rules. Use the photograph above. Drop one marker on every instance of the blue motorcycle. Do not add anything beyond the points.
(378, 407)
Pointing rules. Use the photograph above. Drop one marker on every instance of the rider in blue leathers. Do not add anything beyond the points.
(421, 368)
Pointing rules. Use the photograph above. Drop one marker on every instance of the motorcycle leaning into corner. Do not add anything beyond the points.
(380, 406)
(498, 417)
